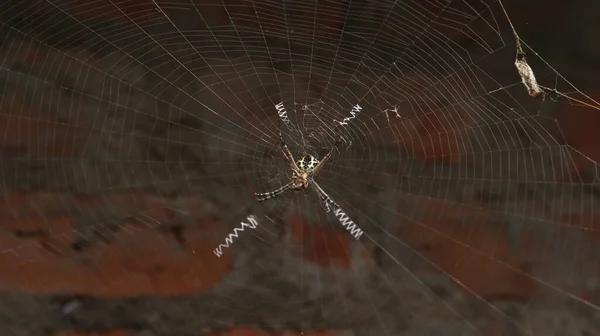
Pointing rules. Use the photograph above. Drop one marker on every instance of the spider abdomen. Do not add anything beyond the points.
(307, 163)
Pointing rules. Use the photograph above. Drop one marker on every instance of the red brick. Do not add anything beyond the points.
(581, 127)
(492, 328)
(433, 138)
(428, 128)
(98, 333)
(244, 331)
(319, 333)
(247, 331)
(323, 246)
(330, 18)
(528, 12)
(27, 129)
(138, 261)
(127, 10)
(239, 331)
(469, 245)
(587, 222)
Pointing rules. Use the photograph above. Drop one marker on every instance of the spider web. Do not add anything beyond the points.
(125, 118)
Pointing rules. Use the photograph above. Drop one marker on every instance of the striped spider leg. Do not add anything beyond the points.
(274, 193)
(327, 201)
(291, 185)
(303, 172)
(325, 158)
(339, 212)
(288, 155)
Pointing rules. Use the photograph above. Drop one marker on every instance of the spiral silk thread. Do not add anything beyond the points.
(348, 223)
(282, 113)
(355, 110)
(229, 240)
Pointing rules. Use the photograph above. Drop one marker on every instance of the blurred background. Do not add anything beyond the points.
(133, 134)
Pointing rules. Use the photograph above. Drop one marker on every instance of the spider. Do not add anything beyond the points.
(303, 174)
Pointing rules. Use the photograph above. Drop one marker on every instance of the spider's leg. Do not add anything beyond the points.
(328, 201)
(325, 158)
(326, 204)
(272, 194)
(288, 155)
(339, 213)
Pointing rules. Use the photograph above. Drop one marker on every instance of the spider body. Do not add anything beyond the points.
(303, 173)
(306, 166)
(308, 163)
